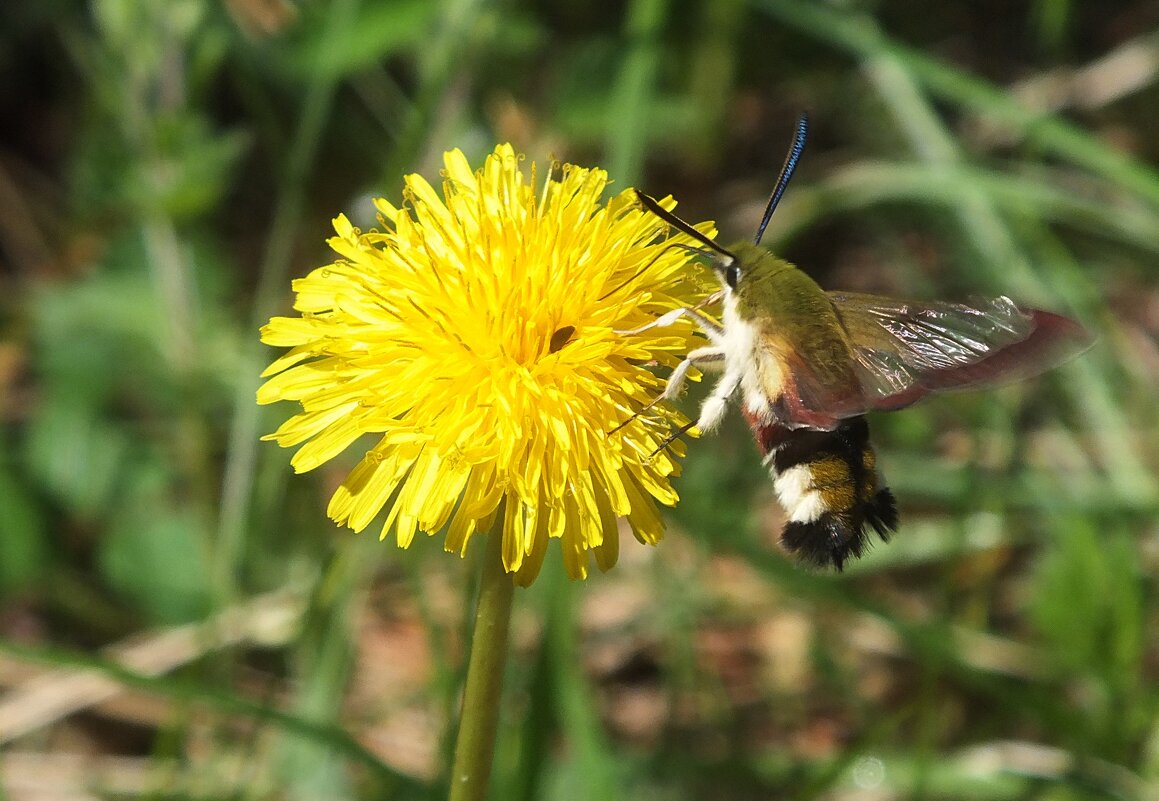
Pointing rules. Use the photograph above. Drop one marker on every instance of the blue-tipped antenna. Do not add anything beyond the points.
(787, 169)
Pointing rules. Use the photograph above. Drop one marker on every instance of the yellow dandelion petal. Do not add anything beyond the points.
(576, 539)
(327, 444)
(514, 535)
(608, 551)
(405, 526)
(533, 559)
(482, 494)
(374, 478)
(298, 429)
(459, 532)
(644, 519)
(608, 476)
(475, 337)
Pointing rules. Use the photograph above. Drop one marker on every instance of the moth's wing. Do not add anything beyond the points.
(817, 388)
(904, 350)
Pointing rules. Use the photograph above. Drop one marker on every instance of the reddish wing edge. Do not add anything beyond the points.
(903, 351)
(1053, 340)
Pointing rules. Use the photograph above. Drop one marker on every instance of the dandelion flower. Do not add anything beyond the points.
(474, 339)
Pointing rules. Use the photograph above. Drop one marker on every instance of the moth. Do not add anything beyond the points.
(806, 366)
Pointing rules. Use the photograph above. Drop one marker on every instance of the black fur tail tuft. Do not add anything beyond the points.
(824, 542)
(881, 513)
(827, 481)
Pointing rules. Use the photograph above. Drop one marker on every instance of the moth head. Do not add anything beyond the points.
(728, 269)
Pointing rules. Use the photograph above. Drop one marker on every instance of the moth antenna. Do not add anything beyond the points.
(679, 224)
(787, 169)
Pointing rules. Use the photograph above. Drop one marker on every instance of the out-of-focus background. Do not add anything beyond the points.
(179, 620)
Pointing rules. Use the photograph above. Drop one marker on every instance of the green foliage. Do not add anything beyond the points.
(24, 548)
(168, 167)
(154, 554)
(380, 31)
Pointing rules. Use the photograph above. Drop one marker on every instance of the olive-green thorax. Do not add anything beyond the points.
(785, 304)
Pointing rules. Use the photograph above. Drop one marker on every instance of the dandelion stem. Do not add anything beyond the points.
(480, 717)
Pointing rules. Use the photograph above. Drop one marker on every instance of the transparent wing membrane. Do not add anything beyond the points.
(904, 350)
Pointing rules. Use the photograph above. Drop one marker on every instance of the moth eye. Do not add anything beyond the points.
(731, 275)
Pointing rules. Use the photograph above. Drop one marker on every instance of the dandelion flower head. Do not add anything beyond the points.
(474, 338)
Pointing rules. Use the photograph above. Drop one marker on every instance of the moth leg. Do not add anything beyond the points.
(715, 297)
(714, 406)
(711, 358)
(712, 330)
(703, 358)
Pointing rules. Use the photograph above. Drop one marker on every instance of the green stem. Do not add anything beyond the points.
(480, 718)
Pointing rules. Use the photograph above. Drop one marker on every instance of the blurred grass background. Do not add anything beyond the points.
(179, 620)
